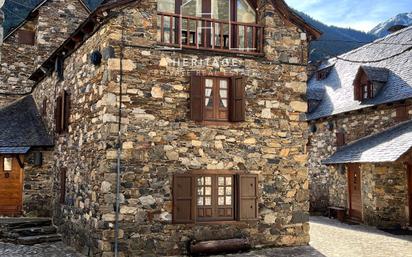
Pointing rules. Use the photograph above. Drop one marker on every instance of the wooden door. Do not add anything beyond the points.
(355, 195)
(11, 186)
(410, 193)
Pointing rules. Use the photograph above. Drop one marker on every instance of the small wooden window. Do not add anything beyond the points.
(63, 177)
(7, 164)
(402, 113)
(340, 139)
(214, 197)
(59, 67)
(217, 98)
(26, 37)
(62, 112)
(44, 108)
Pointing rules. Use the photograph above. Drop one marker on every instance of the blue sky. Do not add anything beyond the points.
(357, 14)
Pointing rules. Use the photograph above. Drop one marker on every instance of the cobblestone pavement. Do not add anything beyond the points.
(329, 238)
(40, 250)
(335, 239)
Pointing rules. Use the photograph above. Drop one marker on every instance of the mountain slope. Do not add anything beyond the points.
(381, 29)
(334, 40)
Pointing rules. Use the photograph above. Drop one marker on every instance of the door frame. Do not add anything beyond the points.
(17, 160)
(349, 168)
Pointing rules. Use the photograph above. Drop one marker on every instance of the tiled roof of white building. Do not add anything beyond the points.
(393, 52)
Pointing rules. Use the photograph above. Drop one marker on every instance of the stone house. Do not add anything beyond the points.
(360, 140)
(29, 44)
(180, 121)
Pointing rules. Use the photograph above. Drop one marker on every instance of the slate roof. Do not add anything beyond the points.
(387, 146)
(22, 126)
(376, 73)
(14, 150)
(394, 53)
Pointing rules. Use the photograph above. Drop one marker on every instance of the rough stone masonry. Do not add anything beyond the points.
(159, 139)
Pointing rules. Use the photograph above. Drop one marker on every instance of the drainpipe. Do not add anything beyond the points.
(1, 25)
(119, 145)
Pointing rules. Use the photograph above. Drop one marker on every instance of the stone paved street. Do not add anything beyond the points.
(329, 238)
(42, 250)
(334, 239)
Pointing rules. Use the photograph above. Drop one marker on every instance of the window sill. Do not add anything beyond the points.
(216, 223)
(218, 123)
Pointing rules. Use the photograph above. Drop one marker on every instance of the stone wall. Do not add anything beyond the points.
(57, 19)
(355, 125)
(159, 140)
(38, 185)
(384, 193)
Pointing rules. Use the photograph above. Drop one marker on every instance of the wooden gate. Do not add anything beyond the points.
(355, 195)
(410, 193)
(11, 186)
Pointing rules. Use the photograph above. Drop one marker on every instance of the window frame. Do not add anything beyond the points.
(3, 165)
(62, 112)
(236, 99)
(237, 196)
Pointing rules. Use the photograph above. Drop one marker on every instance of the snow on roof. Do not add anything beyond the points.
(392, 53)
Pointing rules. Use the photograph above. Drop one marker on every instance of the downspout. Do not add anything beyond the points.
(119, 146)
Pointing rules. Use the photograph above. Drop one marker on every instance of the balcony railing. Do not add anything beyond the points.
(177, 31)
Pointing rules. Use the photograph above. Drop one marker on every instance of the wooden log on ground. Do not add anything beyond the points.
(220, 246)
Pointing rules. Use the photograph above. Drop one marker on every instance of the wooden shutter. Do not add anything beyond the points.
(357, 92)
(44, 108)
(248, 197)
(183, 199)
(237, 101)
(59, 67)
(340, 139)
(196, 97)
(63, 176)
(26, 37)
(58, 114)
(66, 110)
(402, 113)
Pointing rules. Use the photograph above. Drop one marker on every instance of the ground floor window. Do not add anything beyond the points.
(202, 196)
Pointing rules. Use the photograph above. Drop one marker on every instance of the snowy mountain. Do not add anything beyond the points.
(381, 30)
(334, 40)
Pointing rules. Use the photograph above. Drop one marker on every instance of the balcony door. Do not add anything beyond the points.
(220, 24)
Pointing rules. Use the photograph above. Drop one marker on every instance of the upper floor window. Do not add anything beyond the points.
(222, 25)
(217, 98)
(62, 112)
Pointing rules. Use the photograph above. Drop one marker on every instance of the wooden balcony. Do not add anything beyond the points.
(177, 31)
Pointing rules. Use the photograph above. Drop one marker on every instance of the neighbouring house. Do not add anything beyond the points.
(30, 43)
(360, 133)
(198, 106)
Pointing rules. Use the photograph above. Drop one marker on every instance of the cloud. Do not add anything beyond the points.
(361, 15)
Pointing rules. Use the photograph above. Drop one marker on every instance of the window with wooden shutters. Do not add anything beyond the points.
(58, 115)
(44, 108)
(213, 196)
(217, 98)
(402, 113)
(63, 177)
(62, 112)
(340, 139)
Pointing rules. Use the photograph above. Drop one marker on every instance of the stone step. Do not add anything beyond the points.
(31, 240)
(15, 223)
(33, 231)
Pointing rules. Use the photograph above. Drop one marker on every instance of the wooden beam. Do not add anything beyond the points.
(220, 246)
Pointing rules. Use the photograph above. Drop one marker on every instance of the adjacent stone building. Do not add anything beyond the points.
(202, 119)
(30, 43)
(359, 143)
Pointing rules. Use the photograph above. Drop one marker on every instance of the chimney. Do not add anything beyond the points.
(395, 28)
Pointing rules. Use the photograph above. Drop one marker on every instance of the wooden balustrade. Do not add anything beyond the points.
(178, 31)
